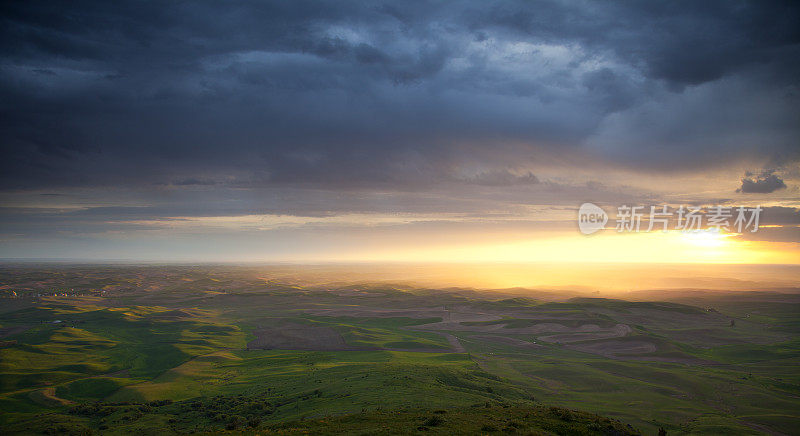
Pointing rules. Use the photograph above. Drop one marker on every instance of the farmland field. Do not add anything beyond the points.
(176, 349)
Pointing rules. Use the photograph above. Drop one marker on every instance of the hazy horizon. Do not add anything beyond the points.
(570, 279)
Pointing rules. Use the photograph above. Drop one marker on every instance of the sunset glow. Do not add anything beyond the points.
(447, 141)
(673, 247)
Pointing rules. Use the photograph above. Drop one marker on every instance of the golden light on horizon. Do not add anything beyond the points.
(706, 246)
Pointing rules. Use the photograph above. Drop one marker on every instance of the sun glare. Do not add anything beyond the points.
(710, 238)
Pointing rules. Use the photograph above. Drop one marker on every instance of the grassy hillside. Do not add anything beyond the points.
(225, 415)
(218, 349)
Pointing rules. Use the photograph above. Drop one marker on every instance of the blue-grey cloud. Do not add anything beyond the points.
(763, 183)
(349, 95)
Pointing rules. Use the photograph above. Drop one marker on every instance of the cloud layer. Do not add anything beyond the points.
(114, 111)
(764, 183)
(325, 93)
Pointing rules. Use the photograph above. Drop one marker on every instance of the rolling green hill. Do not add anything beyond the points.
(245, 356)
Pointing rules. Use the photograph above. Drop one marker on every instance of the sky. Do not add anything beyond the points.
(309, 131)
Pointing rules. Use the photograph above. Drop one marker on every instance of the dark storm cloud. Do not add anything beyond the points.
(683, 42)
(343, 95)
(764, 183)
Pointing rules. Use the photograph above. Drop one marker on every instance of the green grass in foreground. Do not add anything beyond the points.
(175, 361)
(244, 415)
